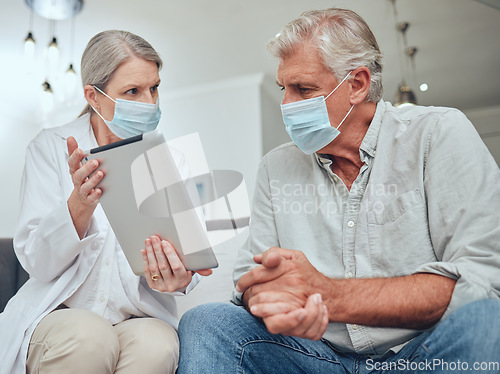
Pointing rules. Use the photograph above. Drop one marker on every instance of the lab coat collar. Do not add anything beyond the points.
(81, 130)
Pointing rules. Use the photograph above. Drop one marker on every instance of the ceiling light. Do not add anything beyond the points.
(405, 96)
(47, 97)
(29, 47)
(55, 9)
(53, 53)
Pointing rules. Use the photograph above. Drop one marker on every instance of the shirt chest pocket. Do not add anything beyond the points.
(398, 234)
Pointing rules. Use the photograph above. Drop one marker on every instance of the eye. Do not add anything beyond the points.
(132, 91)
(154, 88)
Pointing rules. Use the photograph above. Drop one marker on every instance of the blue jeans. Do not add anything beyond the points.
(224, 339)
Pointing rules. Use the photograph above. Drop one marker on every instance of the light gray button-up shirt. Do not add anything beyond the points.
(426, 200)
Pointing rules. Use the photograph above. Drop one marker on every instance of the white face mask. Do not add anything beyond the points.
(308, 124)
(132, 118)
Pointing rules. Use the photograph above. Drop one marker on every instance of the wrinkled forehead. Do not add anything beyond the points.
(305, 60)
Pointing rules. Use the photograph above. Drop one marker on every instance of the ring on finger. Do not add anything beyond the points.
(155, 277)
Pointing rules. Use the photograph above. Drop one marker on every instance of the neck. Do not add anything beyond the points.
(345, 148)
(102, 133)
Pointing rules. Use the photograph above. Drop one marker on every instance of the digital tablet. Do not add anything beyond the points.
(143, 194)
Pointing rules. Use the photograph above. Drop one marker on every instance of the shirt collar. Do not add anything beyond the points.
(369, 143)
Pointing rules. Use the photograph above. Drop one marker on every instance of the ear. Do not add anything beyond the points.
(91, 96)
(360, 84)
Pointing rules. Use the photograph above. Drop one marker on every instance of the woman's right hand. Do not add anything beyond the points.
(85, 196)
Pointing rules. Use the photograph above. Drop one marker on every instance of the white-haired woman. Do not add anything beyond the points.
(83, 309)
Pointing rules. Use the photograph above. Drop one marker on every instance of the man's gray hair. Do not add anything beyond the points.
(106, 51)
(343, 38)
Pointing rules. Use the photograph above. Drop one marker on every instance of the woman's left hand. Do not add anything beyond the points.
(163, 269)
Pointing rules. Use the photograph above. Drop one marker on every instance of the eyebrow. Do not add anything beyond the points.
(135, 84)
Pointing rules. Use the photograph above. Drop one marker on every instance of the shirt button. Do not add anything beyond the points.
(355, 327)
(349, 274)
(108, 262)
(350, 223)
(95, 245)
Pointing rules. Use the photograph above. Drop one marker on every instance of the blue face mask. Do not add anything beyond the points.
(132, 118)
(308, 124)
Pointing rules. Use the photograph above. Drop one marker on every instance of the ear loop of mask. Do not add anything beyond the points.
(341, 122)
(105, 94)
(335, 89)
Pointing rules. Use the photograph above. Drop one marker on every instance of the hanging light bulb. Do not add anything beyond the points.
(70, 81)
(29, 47)
(53, 52)
(47, 97)
(70, 70)
(405, 96)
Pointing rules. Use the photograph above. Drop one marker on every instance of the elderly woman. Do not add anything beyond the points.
(83, 309)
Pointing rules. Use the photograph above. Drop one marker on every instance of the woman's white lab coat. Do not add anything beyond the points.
(49, 248)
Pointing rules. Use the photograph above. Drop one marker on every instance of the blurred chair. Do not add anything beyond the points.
(12, 275)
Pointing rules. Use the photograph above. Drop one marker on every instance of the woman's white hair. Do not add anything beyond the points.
(343, 38)
(106, 51)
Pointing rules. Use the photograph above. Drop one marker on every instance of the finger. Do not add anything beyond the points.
(163, 264)
(322, 324)
(72, 145)
(204, 272)
(270, 309)
(287, 254)
(284, 323)
(147, 273)
(74, 160)
(94, 196)
(298, 321)
(311, 326)
(264, 294)
(257, 259)
(259, 274)
(81, 173)
(175, 262)
(271, 259)
(91, 183)
(152, 264)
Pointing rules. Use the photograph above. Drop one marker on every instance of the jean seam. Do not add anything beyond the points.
(285, 346)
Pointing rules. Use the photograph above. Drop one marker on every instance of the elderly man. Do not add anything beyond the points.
(374, 242)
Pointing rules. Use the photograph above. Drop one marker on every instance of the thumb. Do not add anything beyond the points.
(72, 145)
(272, 259)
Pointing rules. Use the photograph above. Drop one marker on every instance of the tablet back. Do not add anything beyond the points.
(144, 195)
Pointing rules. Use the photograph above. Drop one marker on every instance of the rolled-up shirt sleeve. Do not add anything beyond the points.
(462, 187)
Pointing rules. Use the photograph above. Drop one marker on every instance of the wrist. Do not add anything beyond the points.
(333, 292)
(80, 214)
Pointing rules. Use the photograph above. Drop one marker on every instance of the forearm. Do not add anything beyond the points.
(80, 214)
(415, 301)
